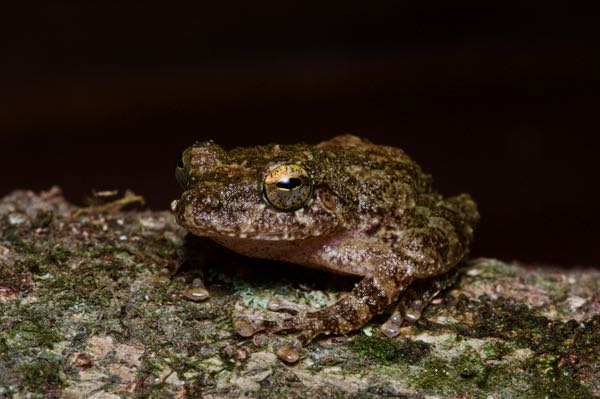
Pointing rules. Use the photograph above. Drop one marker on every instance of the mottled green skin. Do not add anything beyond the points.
(373, 213)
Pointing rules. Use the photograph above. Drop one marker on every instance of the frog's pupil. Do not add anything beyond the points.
(180, 160)
(289, 183)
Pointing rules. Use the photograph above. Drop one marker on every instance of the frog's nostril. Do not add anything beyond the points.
(189, 197)
(201, 200)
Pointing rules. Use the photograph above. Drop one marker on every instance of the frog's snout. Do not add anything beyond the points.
(202, 211)
(197, 207)
(199, 200)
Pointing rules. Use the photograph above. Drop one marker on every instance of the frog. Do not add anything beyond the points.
(346, 206)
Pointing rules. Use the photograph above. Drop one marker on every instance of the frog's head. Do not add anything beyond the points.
(258, 193)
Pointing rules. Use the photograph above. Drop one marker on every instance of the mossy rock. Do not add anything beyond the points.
(80, 317)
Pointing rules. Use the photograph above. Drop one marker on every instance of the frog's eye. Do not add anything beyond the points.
(182, 169)
(287, 187)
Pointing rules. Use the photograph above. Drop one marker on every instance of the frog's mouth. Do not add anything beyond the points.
(207, 217)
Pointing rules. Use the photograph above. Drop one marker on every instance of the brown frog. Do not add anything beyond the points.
(344, 205)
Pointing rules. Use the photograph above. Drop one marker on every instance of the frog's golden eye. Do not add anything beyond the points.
(287, 187)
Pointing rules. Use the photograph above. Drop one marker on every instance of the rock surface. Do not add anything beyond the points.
(80, 317)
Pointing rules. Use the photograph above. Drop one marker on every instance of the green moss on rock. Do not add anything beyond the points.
(385, 351)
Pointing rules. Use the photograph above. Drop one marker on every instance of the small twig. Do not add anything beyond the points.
(129, 198)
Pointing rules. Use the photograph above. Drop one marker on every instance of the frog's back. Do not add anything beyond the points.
(389, 186)
(382, 179)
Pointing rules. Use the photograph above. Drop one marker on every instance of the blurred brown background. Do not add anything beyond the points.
(499, 101)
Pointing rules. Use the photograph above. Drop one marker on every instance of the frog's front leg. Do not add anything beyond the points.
(196, 291)
(198, 252)
(421, 254)
(371, 296)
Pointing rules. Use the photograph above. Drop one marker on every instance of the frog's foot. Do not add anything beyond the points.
(163, 277)
(196, 291)
(300, 321)
(368, 298)
(280, 304)
(290, 352)
(308, 324)
(246, 327)
(408, 309)
(414, 300)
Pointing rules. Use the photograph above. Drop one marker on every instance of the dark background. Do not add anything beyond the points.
(498, 101)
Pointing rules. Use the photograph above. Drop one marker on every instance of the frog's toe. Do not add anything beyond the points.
(196, 294)
(290, 352)
(406, 309)
(162, 278)
(197, 291)
(281, 304)
(391, 327)
(414, 300)
(414, 309)
(247, 328)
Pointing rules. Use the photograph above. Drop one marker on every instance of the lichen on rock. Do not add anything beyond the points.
(80, 317)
